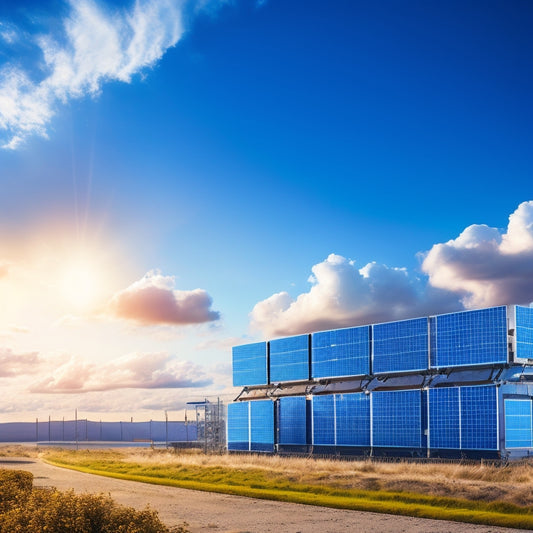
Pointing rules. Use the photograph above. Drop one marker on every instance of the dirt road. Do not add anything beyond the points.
(220, 513)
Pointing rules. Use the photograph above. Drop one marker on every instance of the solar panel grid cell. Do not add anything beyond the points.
(479, 418)
(289, 359)
(396, 418)
(342, 352)
(238, 426)
(524, 332)
(518, 423)
(400, 346)
(471, 338)
(323, 412)
(444, 418)
(262, 425)
(292, 421)
(352, 413)
(250, 364)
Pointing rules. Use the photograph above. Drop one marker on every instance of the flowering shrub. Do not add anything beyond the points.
(25, 509)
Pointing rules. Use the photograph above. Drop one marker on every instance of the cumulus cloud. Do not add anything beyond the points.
(141, 371)
(96, 45)
(482, 267)
(153, 300)
(342, 295)
(485, 266)
(14, 365)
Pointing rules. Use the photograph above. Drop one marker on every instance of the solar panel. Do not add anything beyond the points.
(340, 352)
(470, 338)
(250, 364)
(444, 418)
(292, 421)
(400, 346)
(396, 419)
(352, 419)
(518, 423)
(479, 418)
(238, 426)
(323, 413)
(289, 359)
(262, 426)
(524, 332)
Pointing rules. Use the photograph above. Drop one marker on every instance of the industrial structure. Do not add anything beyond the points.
(451, 385)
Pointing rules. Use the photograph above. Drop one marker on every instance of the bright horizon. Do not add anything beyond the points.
(182, 176)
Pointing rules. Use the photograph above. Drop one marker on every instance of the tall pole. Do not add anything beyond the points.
(76, 426)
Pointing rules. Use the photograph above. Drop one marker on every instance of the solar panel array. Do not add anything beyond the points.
(470, 338)
(524, 332)
(466, 338)
(292, 421)
(397, 419)
(250, 364)
(340, 352)
(464, 418)
(289, 359)
(400, 346)
(518, 423)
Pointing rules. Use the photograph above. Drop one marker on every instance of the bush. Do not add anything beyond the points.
(24, 509)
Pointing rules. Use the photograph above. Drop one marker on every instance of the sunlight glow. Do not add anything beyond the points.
(81, 283)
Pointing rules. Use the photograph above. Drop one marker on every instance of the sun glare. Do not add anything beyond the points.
(81, 283)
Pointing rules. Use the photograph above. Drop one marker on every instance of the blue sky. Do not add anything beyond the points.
(302, 164)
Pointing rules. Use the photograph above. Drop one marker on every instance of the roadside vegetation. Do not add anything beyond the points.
(27, 509)
(479, 493)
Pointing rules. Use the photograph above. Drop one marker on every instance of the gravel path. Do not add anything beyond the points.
(220, 513)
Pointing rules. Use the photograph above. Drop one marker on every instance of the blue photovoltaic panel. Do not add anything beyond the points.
(292, 421)
(518, 423)
(262, 426)
(471, 338)
(323, 408)
(352, 418)
(238, 426)
(479, 418)
(400, 346)
(250, 364)
(396, 418)
(340, 352)
(444, 418)
(289, 359)
(524, 332)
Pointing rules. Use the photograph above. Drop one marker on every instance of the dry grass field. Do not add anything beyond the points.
(511, 483)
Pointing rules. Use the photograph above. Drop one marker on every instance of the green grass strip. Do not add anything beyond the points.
(398, 503)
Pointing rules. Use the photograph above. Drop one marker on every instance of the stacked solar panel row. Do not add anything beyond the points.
(455, 418)
(467, 338)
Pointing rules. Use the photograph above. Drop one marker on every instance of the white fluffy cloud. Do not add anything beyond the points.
(97, 45)
(482, 267)
(141, 371)
(342, 295)
(153, 300)
(485, 266)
